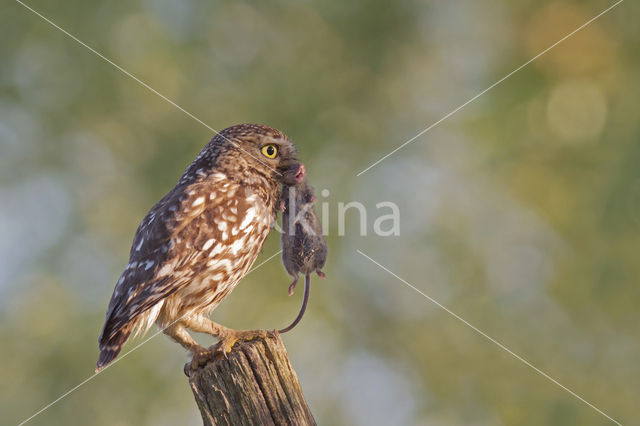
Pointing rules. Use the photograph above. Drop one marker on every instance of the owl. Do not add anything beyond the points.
(195, 245)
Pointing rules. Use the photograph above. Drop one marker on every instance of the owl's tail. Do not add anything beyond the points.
(111, 346)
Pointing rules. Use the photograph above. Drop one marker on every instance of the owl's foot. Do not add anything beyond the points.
(231, 337)
(200, 357)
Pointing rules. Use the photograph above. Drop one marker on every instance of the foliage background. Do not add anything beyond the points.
(521, 213)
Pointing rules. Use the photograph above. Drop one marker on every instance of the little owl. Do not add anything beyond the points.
(197, 242)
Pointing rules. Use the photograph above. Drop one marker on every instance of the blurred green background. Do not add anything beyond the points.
(521, 213)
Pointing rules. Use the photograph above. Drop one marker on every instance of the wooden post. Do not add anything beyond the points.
(255, 385)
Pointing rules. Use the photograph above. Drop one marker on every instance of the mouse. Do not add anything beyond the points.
(304, 248)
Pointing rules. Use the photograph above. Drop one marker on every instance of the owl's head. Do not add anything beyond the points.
(254, 148)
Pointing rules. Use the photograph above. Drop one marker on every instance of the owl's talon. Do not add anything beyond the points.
(228, 340)
(200, 357)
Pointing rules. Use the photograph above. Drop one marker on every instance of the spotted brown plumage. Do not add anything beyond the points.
(200, 239)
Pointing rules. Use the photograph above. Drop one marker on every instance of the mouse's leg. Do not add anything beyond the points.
(321, 274)
(293, 284)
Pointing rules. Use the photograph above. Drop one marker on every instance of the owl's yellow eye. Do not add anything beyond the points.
(270, 151)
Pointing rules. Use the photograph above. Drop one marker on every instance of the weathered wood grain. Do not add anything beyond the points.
(255, 385)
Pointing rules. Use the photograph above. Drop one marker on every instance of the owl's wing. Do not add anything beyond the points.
(171, 247)
(151, 247)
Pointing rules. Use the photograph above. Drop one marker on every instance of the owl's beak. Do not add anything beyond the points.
(293, 174)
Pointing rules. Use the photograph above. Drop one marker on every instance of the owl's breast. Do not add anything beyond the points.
(229, 237)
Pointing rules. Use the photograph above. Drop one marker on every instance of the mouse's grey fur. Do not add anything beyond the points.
(304, 249)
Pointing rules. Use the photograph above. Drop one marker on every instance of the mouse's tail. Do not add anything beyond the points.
(305, 300)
